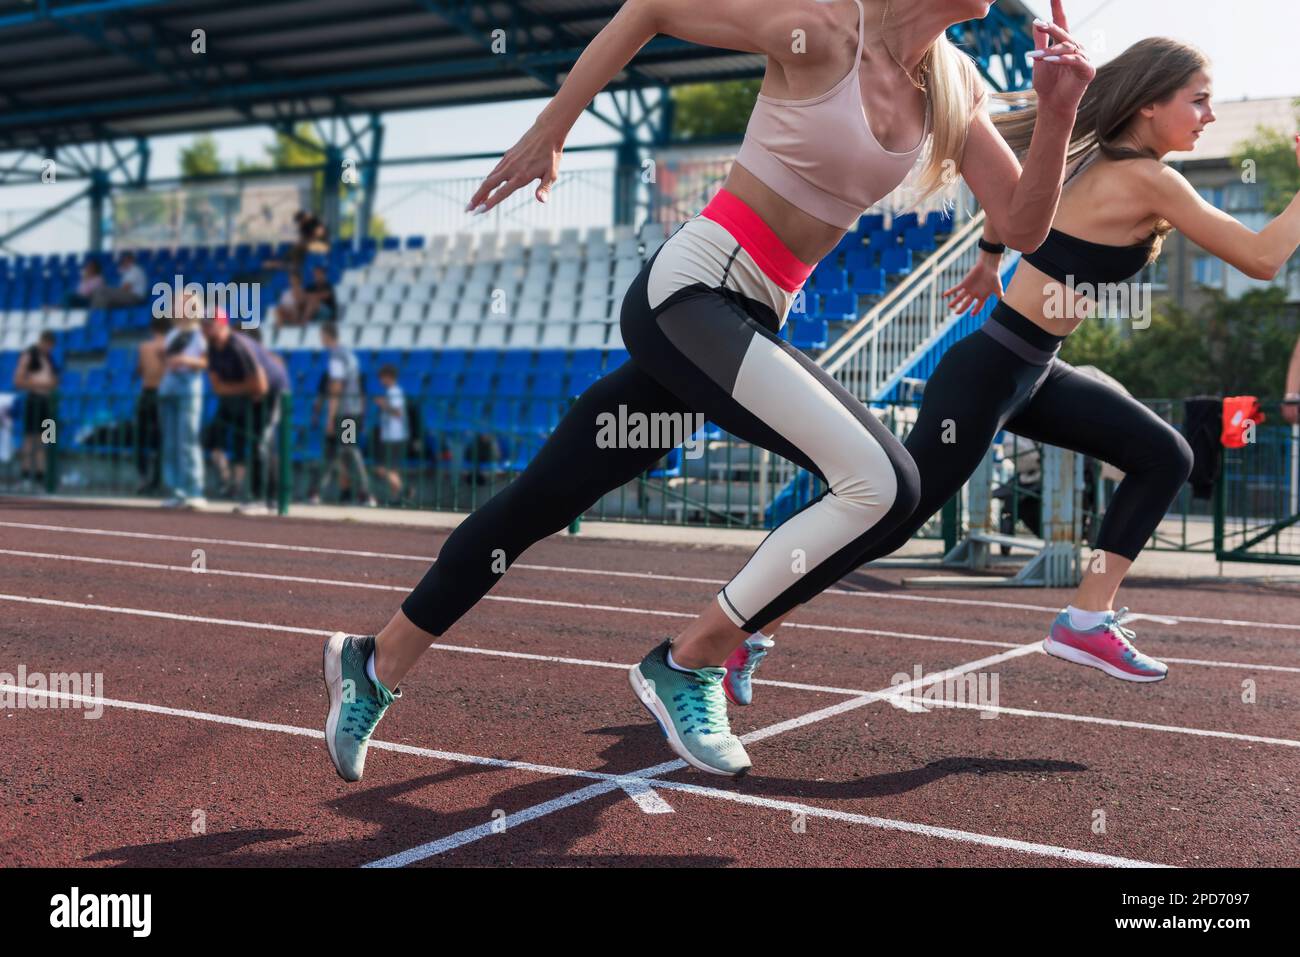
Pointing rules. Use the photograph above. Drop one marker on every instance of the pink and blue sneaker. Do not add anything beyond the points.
(740, 668)
(1107, 647)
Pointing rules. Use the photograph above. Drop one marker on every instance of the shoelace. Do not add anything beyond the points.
(1116, 627)
(705, 699)
(1125, 637)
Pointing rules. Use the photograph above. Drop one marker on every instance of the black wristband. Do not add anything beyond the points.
(989, 247)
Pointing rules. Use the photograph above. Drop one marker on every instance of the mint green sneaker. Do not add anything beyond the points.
(691, 710)
(356, 702)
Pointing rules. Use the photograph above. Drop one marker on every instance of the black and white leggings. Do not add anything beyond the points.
(701, 323)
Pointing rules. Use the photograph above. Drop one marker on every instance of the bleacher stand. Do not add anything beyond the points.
(489, 332)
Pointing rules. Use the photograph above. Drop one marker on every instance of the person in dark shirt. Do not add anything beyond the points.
(250, 381)
(37, 375)
(319, 300)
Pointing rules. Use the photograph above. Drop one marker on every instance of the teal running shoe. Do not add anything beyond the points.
(741, 666)
(691, 709)
(356, 702)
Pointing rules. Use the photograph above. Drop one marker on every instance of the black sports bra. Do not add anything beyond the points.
(1068, 258)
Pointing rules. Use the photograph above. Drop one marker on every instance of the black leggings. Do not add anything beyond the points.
(701, 325)
(1006, 375)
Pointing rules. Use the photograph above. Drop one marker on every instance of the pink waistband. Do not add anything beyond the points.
(756, 237)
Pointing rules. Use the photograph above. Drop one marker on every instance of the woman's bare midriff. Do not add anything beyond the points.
(1096, 206)
(807, 237)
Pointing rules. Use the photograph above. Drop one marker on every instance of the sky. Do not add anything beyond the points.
(1251, 43)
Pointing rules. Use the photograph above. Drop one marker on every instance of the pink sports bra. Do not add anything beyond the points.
(820, 153)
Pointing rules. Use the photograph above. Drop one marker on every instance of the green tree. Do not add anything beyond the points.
(1272, 153)
(1229, 347)
(707, 110)
(200, 158)
(305, 150)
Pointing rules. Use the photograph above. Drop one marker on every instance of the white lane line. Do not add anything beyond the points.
(198, 540)
(470, 835)
(169, 615)
(640, 787)
(922, 705)
(601, 572)
(510, 599)
(490, 652)
(647, 798)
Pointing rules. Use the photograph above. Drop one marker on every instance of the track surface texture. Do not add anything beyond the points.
(518, 741)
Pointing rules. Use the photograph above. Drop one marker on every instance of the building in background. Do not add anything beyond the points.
(1185, 272)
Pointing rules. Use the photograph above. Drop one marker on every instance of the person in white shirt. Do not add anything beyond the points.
(394, 433)
(180, 407)
(130, 291)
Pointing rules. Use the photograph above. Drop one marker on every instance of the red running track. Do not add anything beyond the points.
(518, 741)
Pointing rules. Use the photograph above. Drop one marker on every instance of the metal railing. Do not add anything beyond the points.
(141, 443)
(458, 451)
(895, 331)
(1257, 498)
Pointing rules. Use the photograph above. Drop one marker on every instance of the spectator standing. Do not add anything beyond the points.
(253, 379)
(180, 397)
(37, 376)
(394, 432)
(1291, 401)
(150, 366)
(344, 411)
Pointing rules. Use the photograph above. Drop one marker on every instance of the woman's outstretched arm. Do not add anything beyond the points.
(751, 26)
(1260, 255)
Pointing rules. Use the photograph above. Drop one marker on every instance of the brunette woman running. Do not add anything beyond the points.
(702, 324)
(1119, 202)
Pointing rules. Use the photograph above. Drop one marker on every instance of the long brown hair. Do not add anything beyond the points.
(1150, 71)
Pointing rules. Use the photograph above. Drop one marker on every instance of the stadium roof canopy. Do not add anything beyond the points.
(81, 71)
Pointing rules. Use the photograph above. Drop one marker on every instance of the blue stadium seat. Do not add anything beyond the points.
(809, 334)
(476, 384)
(548, 385)
(881, 240)
(919, 239)
(587, 360)
(511, 385)
(516, 361)
(828, 278)
(860, 258)
(483, 360)
(450, 360)
(839, 307)
(552, 361)
(868, 282)
(870, 223)
(939, 222)
(905, 222)
(576, 383)
(897, 262)
(442, 384)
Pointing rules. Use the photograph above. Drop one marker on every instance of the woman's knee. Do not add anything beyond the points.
(878, 476)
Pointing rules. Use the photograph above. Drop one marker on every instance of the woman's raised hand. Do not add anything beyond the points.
(1062, 70)
(535, 156)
